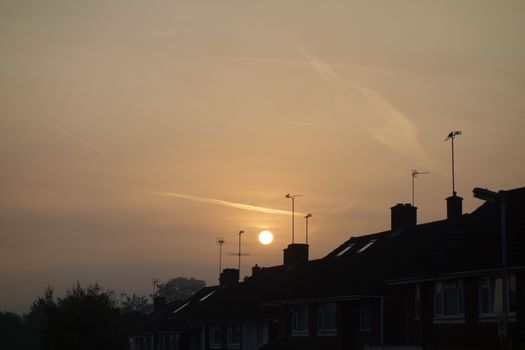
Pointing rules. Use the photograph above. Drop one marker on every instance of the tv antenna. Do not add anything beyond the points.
(239, 254)
(451, 136)
(220, 242)
(415, 173)
(309, 215)
(292, 197)
(155, 283)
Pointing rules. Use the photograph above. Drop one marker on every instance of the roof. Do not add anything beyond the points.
(365, 266)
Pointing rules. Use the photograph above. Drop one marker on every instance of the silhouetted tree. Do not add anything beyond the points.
(11, 331)
(36, 322)
(84, 319)
(180, 288)
(136, 303)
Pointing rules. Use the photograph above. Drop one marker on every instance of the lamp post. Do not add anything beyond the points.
(499, 197)
(292, 197)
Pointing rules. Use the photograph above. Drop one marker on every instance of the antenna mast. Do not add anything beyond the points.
(452, 135)
(220, 242)
(154, 282)
(415, 173)
(309, 215)
(240, 233)
(292, 197)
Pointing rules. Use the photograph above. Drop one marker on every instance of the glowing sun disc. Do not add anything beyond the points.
(265, 237)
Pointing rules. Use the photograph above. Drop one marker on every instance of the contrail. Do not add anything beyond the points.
(82, 141)
(308, 125)
(381, 119)
(220, 202)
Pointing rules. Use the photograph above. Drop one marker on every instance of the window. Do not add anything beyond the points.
(366, 246)
(206, 296)
(326, 317)
(215, 336)
(345, 249)
(448, 299)
(417, 302)
(491, 295)
(299, 318)
(260, 333)
(234, 335)
(182, 307)
(364, 317)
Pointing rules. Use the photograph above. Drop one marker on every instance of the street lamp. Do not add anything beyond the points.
(499, 197)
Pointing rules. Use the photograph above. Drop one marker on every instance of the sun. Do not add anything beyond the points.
(265, 237)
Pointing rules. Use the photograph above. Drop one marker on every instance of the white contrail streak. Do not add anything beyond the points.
(307, 125)
(220, 202)
(82, 141)
(386, 124)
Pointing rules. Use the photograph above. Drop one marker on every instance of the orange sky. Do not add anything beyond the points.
(133, 133)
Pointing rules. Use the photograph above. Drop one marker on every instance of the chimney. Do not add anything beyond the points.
(403, 215)
(255, 270)
(296, 252)
(228, 277)
(454, 207)
(158, 303)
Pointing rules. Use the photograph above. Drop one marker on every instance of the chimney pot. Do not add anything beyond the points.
(454, 207)
(403, 215)
(296, 252)
(256, 269)
(228, 277)
(158, 303)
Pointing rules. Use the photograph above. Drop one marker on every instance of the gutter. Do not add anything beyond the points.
(445, 276)
(321, 299)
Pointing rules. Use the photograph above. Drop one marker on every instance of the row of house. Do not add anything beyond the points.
(437, 285)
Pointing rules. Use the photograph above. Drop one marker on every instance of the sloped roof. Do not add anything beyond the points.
(361, 266)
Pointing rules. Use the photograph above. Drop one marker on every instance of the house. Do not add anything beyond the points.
(436, 285)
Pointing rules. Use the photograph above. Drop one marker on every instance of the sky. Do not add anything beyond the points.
(134, 133)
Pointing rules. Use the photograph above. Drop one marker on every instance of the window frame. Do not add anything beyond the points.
(300, 320)
(365, 318)
(230, 341)
(441, 300)
(491, 283)
(327, 318)
(417, 302)
(213, 344)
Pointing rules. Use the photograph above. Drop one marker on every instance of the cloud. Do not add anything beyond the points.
(220, 202)
(378, 117)
(307, 125)
(80, 140)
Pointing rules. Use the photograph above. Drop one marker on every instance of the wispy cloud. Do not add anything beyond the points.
(80, 140)
(219, 202)
(378, 116)
(307, 125)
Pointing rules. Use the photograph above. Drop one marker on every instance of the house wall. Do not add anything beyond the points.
(472, 332)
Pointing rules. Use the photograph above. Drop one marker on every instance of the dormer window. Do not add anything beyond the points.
(345, 249)
(366, 246)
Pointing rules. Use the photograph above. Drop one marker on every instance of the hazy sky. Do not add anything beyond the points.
(133, 133)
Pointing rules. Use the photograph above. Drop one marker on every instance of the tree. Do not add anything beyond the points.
(36, 322)
(84, 319)
(136, 303)
(11, 331)
(180, 288)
